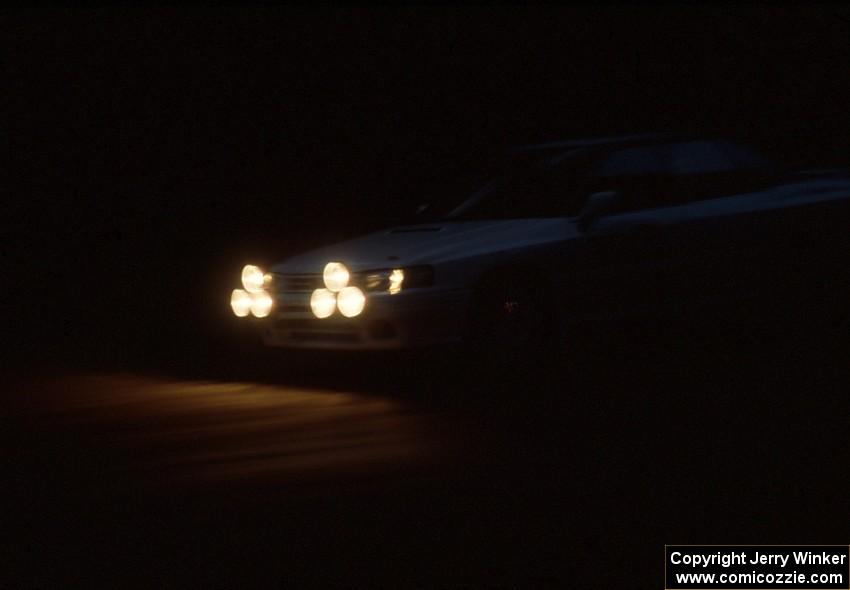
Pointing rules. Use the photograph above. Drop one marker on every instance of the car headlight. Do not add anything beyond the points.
(322, 303)
(336, 276)
(395, 279)
(240, 302)
(351, 301)
(253, 278)
(261, 304)
(254, 298)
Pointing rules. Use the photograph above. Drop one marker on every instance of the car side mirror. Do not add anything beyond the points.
(598, 205)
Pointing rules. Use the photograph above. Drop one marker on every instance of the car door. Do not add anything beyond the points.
(786, 237)
(722, 222)
(626, 257)
(692, 243)
(670, 244)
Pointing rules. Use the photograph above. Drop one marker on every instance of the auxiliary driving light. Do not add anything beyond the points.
(323, 303)
(335, 276)
(241, 302)
(350, 301)
(261, 304)
(252, 279)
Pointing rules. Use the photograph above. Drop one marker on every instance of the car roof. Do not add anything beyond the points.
(611, 141)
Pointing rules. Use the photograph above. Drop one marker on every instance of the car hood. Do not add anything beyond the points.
(429, 244)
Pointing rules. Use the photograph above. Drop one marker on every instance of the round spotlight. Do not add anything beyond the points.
(261, 304)
(252, 279)
(240, 302)
(323, 303)
(335, 276)
(351, 301)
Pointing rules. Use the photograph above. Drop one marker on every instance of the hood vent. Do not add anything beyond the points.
(415, 230)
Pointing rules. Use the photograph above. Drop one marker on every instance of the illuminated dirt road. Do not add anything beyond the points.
(148, 478)
(177, 435)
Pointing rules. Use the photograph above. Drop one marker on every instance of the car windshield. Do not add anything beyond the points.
(525, 185)
(555, 181)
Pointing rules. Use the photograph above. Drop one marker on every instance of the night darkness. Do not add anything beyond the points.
(153, 149)
(151, 152)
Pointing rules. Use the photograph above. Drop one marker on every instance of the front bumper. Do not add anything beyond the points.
(388, 322)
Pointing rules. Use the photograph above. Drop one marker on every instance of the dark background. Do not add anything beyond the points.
(152, 152)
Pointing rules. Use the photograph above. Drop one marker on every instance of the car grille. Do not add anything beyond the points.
(297, 283)
(307, 283)
(293, 308)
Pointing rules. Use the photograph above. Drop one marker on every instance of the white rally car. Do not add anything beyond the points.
(565, 232)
